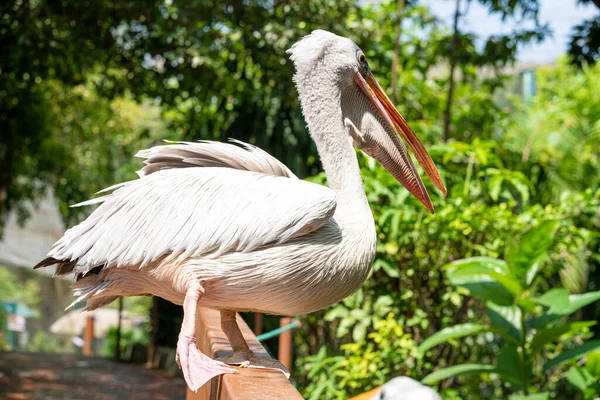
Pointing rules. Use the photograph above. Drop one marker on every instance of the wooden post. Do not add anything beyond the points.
(285, 344)
(258, 323)
(88, 336)
(153, 333)
(118, 338)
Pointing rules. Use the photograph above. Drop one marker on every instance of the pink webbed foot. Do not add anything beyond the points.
(198, 368)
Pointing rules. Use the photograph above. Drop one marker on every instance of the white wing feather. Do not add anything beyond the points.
(191, 212)
(244, 156)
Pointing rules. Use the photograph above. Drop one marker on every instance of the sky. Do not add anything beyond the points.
(562, 15)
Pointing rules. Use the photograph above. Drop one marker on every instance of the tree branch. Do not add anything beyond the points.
(396, 60)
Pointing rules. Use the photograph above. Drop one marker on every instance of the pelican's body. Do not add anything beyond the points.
(229, 227)
(302, 274)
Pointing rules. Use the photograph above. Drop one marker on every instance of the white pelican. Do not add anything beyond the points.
(405, 388)
(231, 227)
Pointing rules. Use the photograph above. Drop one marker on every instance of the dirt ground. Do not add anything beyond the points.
(37, 376)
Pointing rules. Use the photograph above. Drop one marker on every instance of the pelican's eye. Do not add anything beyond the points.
(361, 58)
(363, 65)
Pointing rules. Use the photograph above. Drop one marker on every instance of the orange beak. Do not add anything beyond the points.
(391, 152)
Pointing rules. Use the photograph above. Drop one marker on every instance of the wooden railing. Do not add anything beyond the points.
(250, 383)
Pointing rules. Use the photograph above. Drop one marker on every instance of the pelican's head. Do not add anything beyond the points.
(333, 69)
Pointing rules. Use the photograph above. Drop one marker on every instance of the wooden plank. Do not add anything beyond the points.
(250, 383)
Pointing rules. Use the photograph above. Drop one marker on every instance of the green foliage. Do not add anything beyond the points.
(425, 298)
(47, 342)
(586, 378)
(3, 331)
(527, 327)
(129, 337)
(557, 134)
(25, 290)
(584, 47)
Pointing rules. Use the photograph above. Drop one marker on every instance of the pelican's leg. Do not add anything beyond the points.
(197, 367)
(242, 355)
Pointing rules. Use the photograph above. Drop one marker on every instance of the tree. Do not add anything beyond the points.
(585, 43)
(499, 50)
(41, 41)
(453, 49)
(217, 70)
(396, 59)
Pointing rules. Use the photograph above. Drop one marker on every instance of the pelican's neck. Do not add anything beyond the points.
(323, 115)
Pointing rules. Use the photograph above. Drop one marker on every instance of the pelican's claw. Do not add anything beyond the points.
(247, 359)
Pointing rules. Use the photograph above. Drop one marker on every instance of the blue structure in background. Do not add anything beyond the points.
(528, 84)
(18, 309)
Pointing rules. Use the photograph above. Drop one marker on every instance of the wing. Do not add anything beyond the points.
(212, 154)
(188, 212)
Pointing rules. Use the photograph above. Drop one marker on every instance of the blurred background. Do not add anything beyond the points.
(504, 93)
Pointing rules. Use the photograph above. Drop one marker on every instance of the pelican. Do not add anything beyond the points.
(229, 227)
(405, 388)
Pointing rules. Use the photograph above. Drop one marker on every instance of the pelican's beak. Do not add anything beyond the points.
(389, 150)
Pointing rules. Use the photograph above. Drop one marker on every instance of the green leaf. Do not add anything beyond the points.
(525, 256)
(484, 277)
(485, 263)
(344, 327)
(507, 319)
(592, 364)
(579, 377)
(391, 269)
(548, 335)
(520, 182)
(382, 304)
(336, 313)
(555, 298)
(509, 364)
(456, 370)
(360, 331)
(576, 352)
(535, 396)
(495, 186)
(446, 334)
(577, 301)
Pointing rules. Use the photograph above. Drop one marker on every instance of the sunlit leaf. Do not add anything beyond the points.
(456, 370)
(507, 319)
(558, 299)
(484, 277)
(525, 255)
(453, 332)
(577, 301)
(579, 377)
(592, 364)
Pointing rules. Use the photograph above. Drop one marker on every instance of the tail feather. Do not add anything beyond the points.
(88, 288)
(46, 262)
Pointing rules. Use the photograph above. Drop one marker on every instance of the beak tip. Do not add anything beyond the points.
(427, 203)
